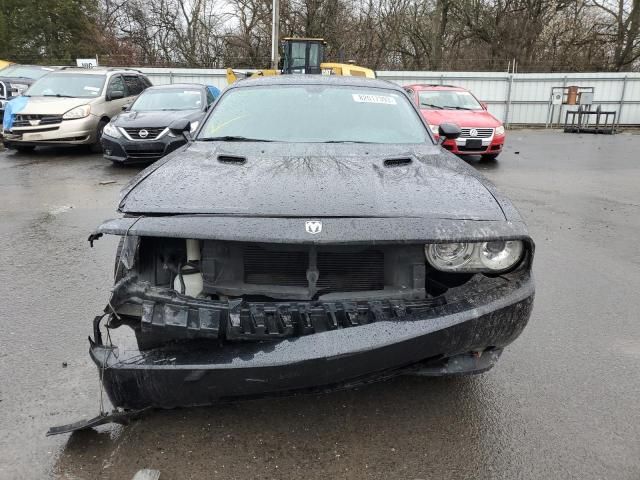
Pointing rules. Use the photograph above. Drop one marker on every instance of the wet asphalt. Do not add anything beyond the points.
(563, 402)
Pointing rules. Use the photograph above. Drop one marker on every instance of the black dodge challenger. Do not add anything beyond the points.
(311, 236)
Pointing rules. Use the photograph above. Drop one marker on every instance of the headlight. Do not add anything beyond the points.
(194, 126)
(111, 130)
(491, 257)
(500, 130)
(434, 129)
(78, 112)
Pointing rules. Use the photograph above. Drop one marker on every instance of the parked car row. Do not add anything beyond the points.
(116, 111)
(73, 106)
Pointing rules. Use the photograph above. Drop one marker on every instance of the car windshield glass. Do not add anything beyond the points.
(68, 85)
(315, 113)
(452, 99)
(21, 71)
(169, 99)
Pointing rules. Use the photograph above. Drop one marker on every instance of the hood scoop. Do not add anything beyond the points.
(397, 162)
(232, 159)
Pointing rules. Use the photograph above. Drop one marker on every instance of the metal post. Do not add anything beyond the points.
(616, 121)
(171, 77)
(564, 87)
(275, 24)
(508, 107)
(550, 109)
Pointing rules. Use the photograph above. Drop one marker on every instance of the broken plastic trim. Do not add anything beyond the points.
(236, 319)
(122, 417)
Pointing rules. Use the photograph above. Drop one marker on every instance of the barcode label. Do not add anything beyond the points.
(386, 100)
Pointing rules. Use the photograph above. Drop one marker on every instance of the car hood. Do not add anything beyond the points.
(311, 180)
(155, 119)
(462, 118)
(52, 105)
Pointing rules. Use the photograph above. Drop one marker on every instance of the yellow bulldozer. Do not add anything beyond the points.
(305, 56)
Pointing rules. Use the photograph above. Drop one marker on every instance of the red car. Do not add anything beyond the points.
(482, 133)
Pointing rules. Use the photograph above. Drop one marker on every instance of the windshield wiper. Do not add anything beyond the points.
(345, 141)
(232, 138)
(431, 105)
(59, 96)
(459, 108)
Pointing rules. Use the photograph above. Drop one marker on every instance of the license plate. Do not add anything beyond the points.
(474, 143)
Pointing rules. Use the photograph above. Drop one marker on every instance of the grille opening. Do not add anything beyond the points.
(480, 132)
(397, 162)
(231, 159)
(152, 132)
(24, 120)
(464, 148)
(348, 271)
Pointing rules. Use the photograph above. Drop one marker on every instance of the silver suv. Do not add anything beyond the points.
(71, 107)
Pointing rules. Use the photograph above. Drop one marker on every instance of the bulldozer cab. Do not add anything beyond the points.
(302, 55)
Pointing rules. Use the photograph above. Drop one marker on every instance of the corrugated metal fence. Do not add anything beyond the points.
(517, 99)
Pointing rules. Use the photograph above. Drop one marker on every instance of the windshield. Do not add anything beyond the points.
(68, 85)
(21, 71)
(315, 113)
(448, 99)
(169, 99)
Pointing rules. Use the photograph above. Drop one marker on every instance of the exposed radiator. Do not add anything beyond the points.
(352, 271)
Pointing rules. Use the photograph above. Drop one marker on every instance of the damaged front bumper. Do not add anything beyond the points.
(254, 349)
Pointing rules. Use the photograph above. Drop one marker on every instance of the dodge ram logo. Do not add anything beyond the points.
(313, 226)
(143, 133)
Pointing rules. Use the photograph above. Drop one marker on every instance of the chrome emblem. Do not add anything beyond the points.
(33, 123)
(313, 226)
(473, 132)
(143, 133)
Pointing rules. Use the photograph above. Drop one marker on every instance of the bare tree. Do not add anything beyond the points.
(545, 35)
(621, 23)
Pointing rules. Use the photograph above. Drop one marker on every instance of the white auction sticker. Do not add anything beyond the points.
(385, 100)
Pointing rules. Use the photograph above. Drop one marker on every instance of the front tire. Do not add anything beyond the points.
(97, 146)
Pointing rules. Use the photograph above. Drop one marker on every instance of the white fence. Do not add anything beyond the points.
(520, 99)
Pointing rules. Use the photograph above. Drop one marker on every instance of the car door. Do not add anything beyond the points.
(116, 96)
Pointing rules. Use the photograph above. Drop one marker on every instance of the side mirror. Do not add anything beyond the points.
(126, 107)
(483, 105)
(116, 95)
(448, 131)
(181, 126)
